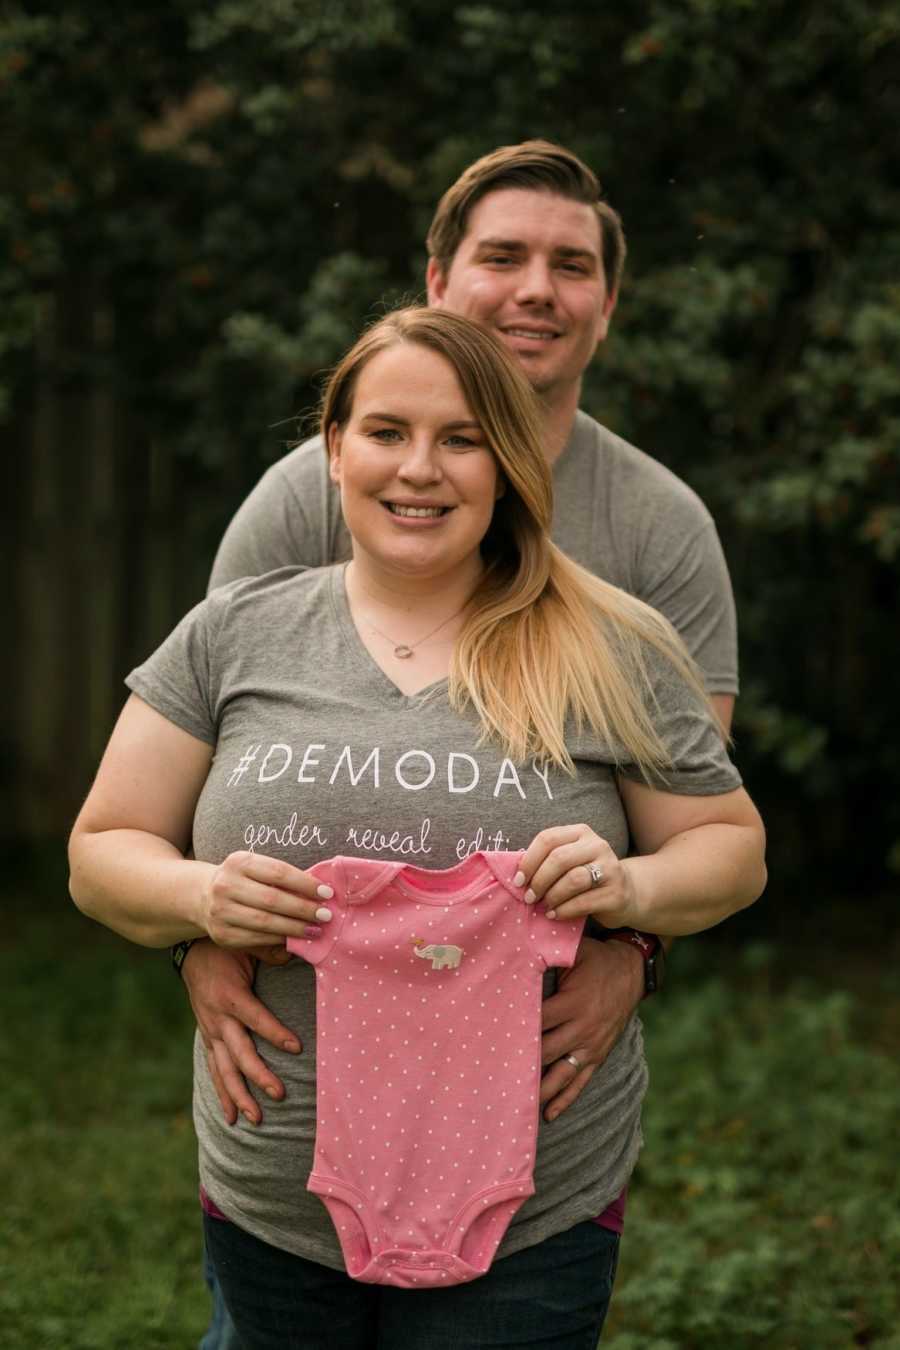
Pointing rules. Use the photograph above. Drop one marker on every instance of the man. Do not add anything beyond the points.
(523, 243)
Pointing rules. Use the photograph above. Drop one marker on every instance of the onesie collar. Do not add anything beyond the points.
(365, 878)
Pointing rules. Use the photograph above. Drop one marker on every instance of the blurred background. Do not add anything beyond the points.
(200, 205)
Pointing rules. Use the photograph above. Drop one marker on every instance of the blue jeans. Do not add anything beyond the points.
(221, 1333)
(552, 1296)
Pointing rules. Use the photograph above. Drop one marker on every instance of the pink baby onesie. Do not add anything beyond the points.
(428, 1043)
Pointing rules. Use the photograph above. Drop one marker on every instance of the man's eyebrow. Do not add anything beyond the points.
(510, 245)
(566, 251)
(518, 246)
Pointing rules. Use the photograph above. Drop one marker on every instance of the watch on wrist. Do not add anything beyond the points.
(179, 952)
(651, 949)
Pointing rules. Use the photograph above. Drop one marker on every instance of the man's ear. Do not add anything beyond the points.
(335, 436)
(603, 322)
(435, 283)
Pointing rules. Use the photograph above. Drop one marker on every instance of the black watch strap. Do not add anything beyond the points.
(179, 952)
(650, 948)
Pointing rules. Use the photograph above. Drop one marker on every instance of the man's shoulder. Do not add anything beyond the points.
(625, 471)
(307, 463)
(272, 587)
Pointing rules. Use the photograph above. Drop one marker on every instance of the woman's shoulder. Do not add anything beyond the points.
(306, 586)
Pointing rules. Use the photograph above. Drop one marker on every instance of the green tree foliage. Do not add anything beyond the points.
(246, 183)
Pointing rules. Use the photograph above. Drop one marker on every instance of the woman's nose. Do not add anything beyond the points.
(421, 463)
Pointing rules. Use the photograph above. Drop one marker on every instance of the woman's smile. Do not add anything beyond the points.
(418, 480)
(419, 513)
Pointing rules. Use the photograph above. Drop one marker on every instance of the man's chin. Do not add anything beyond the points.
(541, 381)
(532, 365)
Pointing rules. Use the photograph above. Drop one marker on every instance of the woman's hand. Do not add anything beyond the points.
(574, 872)
(251, 901)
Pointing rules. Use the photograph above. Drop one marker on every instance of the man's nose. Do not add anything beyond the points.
(535, 283)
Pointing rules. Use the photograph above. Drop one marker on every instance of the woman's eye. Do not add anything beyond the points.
(461, 443)
(385, 434)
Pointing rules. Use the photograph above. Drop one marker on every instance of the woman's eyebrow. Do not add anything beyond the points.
(404, 422)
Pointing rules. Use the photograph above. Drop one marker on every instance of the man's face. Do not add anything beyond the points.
(530, 267)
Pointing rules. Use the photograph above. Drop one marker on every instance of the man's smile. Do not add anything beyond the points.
(530, 334)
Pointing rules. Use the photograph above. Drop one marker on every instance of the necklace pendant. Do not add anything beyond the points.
(402, 652)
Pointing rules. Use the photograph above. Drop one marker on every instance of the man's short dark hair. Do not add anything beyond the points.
(537, 165)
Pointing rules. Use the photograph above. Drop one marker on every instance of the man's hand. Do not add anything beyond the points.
(586, 1016)
(220, 987)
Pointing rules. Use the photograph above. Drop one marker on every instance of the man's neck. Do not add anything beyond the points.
(557, 419)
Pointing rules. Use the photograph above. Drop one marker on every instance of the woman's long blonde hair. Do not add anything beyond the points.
(546, 642)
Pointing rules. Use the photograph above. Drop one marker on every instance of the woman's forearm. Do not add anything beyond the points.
(696, 879)
(139, 885)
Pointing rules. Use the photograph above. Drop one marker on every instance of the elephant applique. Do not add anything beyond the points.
(441, 957)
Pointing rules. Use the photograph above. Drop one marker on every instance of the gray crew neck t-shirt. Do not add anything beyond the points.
(318, 753)
(618, 512)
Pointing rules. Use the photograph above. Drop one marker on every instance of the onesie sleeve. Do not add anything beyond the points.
(315, 950)
(181, 679)
(555, 940)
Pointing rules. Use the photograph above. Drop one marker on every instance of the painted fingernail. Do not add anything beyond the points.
(324, 893)
(519, 879)
(530, 897)
(323, 914)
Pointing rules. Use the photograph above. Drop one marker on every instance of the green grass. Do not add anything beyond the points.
(765, 1204)
(763, 1212)
(101, 1225)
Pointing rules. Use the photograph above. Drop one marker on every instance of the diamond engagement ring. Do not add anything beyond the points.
(576, 1063)
(595, 872)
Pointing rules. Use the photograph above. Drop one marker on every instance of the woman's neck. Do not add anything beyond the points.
(399, 598)
(409, 630)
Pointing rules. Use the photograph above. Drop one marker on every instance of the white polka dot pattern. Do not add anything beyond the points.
(428, 1067)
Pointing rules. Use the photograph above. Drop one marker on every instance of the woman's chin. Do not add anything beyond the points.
(418, 558)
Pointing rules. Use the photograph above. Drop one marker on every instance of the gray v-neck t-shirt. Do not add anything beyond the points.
(617, 511)
(318, 753)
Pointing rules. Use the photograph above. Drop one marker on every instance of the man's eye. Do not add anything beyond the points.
(578, 269)
(499, 258)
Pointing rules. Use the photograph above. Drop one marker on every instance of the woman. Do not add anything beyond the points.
(460, 685)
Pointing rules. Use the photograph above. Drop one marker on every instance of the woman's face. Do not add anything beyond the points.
(418, 482)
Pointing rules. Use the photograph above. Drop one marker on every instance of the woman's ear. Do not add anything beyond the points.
(335, 436)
